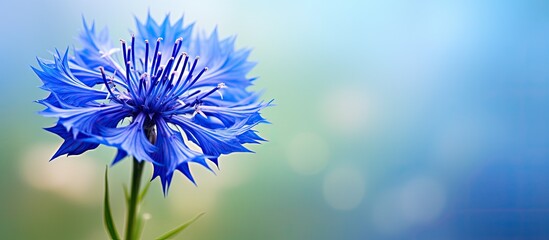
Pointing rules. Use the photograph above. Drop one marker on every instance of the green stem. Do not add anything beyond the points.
(133, 202)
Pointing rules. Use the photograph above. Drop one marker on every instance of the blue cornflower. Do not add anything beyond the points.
(152, 96)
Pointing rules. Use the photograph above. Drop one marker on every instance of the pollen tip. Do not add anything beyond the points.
(159, 39)
(146, 41)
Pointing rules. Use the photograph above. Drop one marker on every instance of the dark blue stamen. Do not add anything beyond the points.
(128, 72)
(197, 77)
(124, 49)
(179, 61)
(194, 93)
(128, 54)
(176, 47)
(146, 55)
(190, 75)
(168, 68)
(141, 83)
(107, 84)
(156, 64)
(182, 69)
(210, 92)
(154, 88)
(172, 76)
(155, 53)
(133, 51)
(158, 74)
(142, 63)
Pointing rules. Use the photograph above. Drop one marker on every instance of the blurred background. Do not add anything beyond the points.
(394, 120)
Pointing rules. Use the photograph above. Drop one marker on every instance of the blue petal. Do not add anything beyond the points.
(225, 65)
(120, 154)
(151, 30)
(85, 75)
(59, 80)
(173, 154)
(250, 137)
(214, 142)
(71, 145)
(131, 139)
(87, 120)
(96, 51)
(233, 113)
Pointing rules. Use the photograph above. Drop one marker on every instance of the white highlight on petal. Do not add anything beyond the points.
(74, 179)
(221, 86)
(109, 53)
(197, 110)
(344, 188)
(201, 113)
(307, 153)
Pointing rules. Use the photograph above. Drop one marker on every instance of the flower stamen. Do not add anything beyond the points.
(124, 49)
(146, 55)
(156, 63)
(107, 85)
(155, 54)
(133, 51)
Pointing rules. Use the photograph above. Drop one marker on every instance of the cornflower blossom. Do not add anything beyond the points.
(153, 96)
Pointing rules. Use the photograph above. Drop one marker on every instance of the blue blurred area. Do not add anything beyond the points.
(394, 120)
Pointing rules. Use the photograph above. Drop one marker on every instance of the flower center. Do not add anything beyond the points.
(153, 88)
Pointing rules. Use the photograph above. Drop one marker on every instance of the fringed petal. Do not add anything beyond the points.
(173, 154)
(214, 142)
(59, 80)
(131, 139)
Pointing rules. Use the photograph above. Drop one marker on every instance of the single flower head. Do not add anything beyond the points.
(152, 96)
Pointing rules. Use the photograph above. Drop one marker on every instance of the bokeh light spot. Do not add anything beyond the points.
(74, 179)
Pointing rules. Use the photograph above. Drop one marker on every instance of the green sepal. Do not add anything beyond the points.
(179, 229)
(107, 215)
